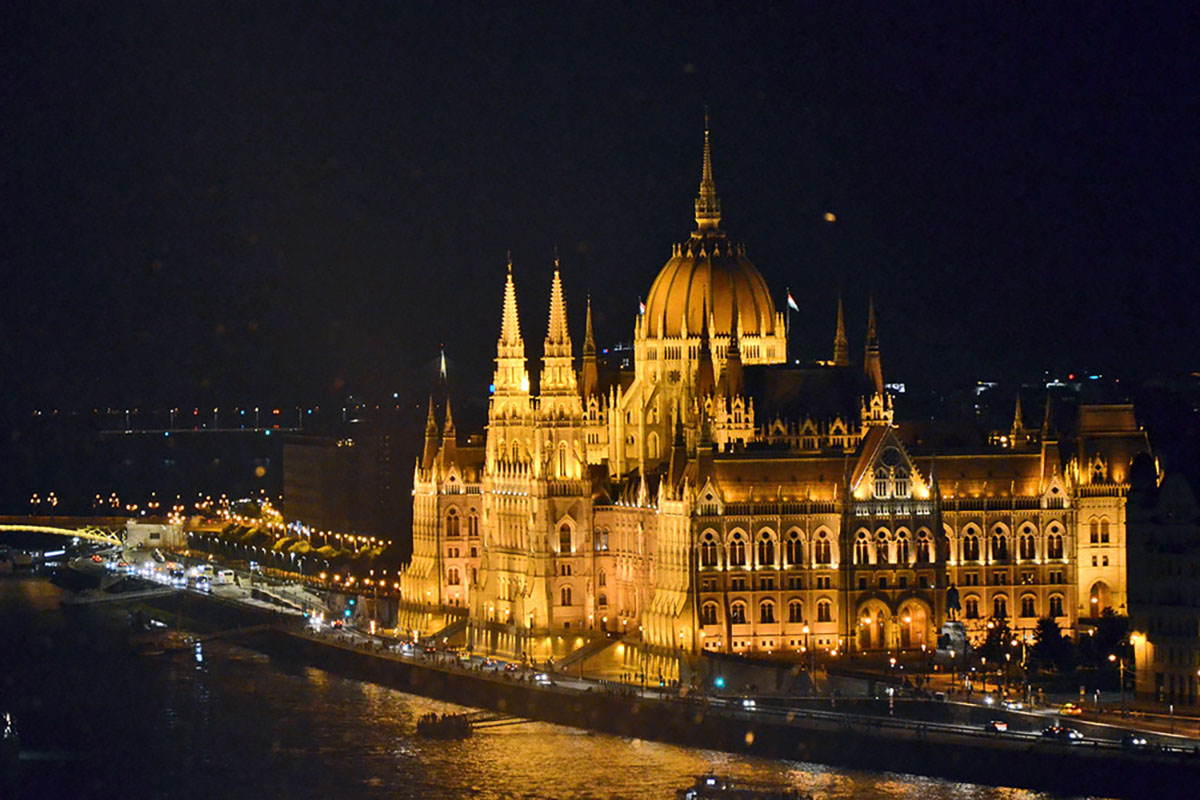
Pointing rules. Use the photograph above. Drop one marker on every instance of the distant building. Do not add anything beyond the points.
(344, 483)
(713, 498)
(147, 533)
(1164, 587)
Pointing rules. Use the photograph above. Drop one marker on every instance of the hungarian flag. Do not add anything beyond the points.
(641, 307)
(792, 302)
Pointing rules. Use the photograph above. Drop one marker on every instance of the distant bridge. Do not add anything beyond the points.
(106, 530)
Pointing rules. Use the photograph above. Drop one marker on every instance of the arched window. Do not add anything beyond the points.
(766, 612)
(795, 611)
(708, 614)
(881, 482)
(708, 551)
(737, 613)
(566, 595)
(862, 550)
(472, 524)
(600, 540)
(1056, 606)
(971, 608)
(924, 548)
(452, 522)
(1028, 606)
(1104, 530)
(737, 551)
(824, 611)
(564, 541)
(516, 451)
(452, 577)
(794, 550)
(823, 554)
(902, 548)
(1028, 546)
(766, 550)
(999, 606)
(1054, 544)
(999, 545)
(970, 546)
(883, 549)
(602, 600)
(1094, 531)
(902, 484)
(601, 579)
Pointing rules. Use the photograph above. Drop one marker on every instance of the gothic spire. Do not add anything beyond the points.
(705, 381)
(871, 363)
(841, 346)
(589, 341)
(431, 439)
(1018, 423)
(590, 376)
(733, 359)
(556, 332)
(510, 326)
(708, 205)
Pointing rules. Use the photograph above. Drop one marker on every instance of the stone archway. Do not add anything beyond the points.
(914, 622)
(874, 622)
(1099, 599)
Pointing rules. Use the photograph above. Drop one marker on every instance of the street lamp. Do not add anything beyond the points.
(1121, 661)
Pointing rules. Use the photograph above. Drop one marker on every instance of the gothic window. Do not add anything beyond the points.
(824, 611)
(1104, 530)
(862, 550)
(566, 595)
(999, 606)
(999, 545)
(564, 540)
(708, 614)
(452, 522)
(737, 613)
(902, 548)
(970, 546)
(1028, 606)
(881, 482)
(562, 459)
(823, 554)
(1056, 606)
(600, 540)
(794, 550)
(1054, 544)
(601, 579)
(971, 608)
(602, 600)
(766, 550)
(766, 612)
(452, 576)
(708, 551)
(737, 551)
(472, 524)
(1028, 548)
(1094, 531)
(883, 550)
(924, 548)
(795, 611)
(516, 451)
(901, 485)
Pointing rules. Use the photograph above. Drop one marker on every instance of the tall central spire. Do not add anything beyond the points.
(510, 326)
(841, 346)
(556, 331)
(708, 205)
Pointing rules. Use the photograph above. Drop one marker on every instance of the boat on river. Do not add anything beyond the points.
(444, 726)
(718, 787)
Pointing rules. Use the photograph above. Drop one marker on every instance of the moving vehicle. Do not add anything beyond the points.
(1135, 741)
(224, 577)
(995, 726)
(1060, 733)
(1070, 710)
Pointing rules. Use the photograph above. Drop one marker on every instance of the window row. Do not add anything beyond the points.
(1029, 607)
(709, 612)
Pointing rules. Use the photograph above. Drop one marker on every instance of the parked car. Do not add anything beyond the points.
(1061, 733)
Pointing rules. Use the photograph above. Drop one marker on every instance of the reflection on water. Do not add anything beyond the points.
(234, 723)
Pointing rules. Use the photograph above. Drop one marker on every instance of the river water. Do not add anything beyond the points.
(227, 722)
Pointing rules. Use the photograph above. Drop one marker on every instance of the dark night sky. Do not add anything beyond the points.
(251, 202)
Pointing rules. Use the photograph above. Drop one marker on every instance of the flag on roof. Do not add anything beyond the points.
(641, 307)
(792, 302)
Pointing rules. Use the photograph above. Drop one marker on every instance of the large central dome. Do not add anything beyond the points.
(709, 272)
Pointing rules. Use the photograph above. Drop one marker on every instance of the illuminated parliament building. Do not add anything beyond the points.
(715, 498)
